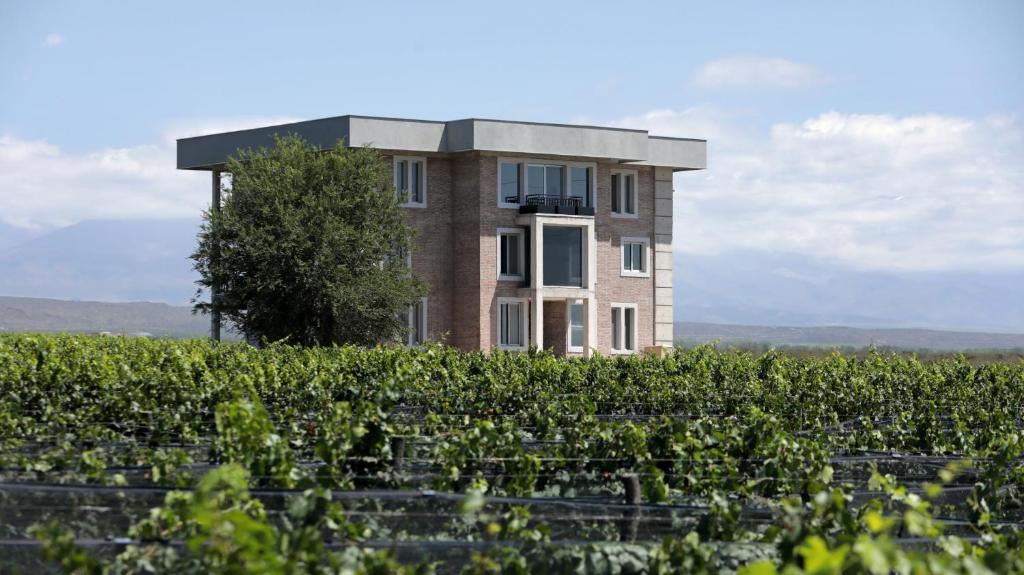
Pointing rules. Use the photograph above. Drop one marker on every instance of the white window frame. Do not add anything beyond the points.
(645, 255)
(521, 233)
(410, 338)
(524, 322)
(423, 178)
(568, 325)
(618, 347)
(620, 192)
(525, 163)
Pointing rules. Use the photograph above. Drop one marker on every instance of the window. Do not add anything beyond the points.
(399, 255)
(575, 326)
(563, 256)
(512, 323)
(623, 328)
(417, 323)
(635, 254)
(580, 183)
(542, 179)
(624, 194)
(509, 190)
(411, 181)
(511, 253)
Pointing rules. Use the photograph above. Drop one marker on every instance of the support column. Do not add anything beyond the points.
(214, 312)
(590, 321)
(537, 278)
(663, 313)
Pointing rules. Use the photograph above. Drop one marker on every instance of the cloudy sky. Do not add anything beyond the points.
(878, 135)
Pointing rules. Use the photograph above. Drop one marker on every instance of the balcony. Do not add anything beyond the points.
(551, 204)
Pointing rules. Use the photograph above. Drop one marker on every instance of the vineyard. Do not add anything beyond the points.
(143, 456)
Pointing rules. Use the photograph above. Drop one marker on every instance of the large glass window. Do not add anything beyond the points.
(576, 326)
(535, 180)
(579, 184)
(563, 256)
(512, 330)
(509, 183)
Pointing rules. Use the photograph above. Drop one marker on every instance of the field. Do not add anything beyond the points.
(137, 455)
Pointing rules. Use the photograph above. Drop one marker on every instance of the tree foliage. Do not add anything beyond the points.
(304, 247)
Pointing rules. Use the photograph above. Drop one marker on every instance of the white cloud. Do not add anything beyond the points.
(756, 72)
(923, 192)
(53, 40)
(44, 186)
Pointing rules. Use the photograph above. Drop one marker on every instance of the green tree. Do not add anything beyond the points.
(305, 246)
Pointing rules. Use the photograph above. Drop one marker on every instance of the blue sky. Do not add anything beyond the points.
(879, 135)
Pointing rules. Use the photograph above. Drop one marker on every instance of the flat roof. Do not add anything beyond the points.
(625, 145)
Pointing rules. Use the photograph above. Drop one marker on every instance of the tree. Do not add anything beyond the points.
(305, 247)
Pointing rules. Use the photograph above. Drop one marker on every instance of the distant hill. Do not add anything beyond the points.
(912, 339)
(51, 315)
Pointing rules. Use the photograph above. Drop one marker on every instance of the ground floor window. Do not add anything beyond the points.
(623, 328)
(512, 323)
(417, 323)
(575, 326)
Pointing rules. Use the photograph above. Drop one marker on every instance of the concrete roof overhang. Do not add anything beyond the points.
(473, 134)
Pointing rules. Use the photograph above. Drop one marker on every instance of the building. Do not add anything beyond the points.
(558, 236)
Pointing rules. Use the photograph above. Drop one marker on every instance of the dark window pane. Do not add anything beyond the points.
(629, 202)
(615, 193)
(576, 325)
(616, 329)
(504, 254)
(512, 241)
(510, 183)
(416, 182)
(579, 184)
(629, 313)
(563, 256)
(553, 180)
(637, 260)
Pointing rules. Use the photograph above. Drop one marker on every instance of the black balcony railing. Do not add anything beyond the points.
(550, 204)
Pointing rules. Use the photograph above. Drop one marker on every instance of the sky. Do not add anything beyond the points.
(873, 135)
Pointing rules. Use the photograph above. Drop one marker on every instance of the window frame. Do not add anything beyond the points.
(408, 175)
(645, 272)
(619, 309)
(410, 339)
(521, 233)
(569, 347)
(635, 175)
(524, 322)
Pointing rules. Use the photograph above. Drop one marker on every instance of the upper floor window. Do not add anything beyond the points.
(544, 181)
(411, 181)
(509, 190)
(635, 257)
(563, 256)
(624, 196)
(511, 253)
(623, 328)
(513, 325)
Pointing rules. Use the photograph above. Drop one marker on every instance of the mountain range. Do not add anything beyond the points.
(147, 261)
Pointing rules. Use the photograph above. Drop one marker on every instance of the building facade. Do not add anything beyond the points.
(548, 235)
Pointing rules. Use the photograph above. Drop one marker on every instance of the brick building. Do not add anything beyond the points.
(551, 235)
